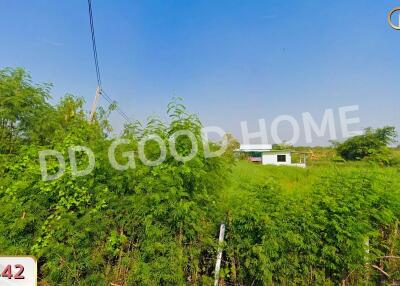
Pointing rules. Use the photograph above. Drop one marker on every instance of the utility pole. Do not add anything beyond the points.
(219, 256)
(94, 104)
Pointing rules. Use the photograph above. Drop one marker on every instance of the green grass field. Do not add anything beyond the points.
(294, 179)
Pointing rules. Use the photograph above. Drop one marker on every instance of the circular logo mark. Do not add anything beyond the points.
(394, 25)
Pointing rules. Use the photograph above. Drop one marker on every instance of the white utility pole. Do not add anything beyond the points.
(219, 256)
(94, 104)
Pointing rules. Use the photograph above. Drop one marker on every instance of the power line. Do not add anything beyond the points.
(100, 91)
(94, 48)
(119, 110)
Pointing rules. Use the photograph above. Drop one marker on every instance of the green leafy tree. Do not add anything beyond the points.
(372, 143)
(25, 114)
(146, 226)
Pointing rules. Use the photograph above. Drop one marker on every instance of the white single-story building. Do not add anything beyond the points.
(263, 153)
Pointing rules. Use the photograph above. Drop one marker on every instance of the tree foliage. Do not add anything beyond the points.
(373, 143)
(143, 226)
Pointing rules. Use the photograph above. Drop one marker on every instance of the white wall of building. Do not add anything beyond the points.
(271, 158)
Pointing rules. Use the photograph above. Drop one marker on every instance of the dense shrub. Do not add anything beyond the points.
(331, 235)
(143, 226)
(371, 145)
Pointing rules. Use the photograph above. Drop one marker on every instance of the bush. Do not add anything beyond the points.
(146, 226)
(371, 144)
(315, 238)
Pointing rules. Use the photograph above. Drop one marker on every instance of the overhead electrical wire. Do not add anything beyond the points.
(97, 67)
(94, 48)
(120, 111)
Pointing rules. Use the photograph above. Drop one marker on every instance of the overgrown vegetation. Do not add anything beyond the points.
(325, 225)
(372, 146)
(291, 226)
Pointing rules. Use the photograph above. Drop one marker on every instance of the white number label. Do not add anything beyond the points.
(18, 271)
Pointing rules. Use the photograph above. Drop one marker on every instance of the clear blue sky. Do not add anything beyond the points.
(230, 60)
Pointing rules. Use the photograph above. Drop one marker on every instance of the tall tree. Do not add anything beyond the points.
(24, 112)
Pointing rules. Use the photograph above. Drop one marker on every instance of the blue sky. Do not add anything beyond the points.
(230, 60)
